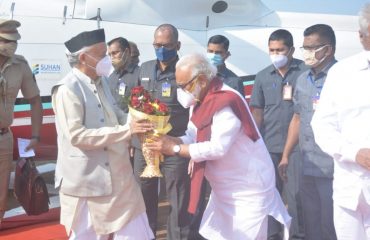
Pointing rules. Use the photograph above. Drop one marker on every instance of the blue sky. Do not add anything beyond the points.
(343, 7)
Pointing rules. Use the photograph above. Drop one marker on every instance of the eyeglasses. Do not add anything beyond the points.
(310, 48)
(166, 45)
(183, 86)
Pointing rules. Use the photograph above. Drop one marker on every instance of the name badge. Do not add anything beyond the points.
(145, 79)
(166, 89)
(287, 92)
(122, 89)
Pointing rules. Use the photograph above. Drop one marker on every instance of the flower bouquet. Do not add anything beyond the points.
(143, 106)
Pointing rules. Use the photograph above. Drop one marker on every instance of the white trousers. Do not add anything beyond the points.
(350, 225)
(82, 228)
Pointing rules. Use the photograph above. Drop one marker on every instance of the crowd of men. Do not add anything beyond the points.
(306, 139)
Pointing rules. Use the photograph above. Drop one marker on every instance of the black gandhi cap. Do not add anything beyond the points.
(85, 39)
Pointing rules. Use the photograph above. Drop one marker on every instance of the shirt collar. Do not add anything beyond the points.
(82, 76)
(171, 67)
(324, 70)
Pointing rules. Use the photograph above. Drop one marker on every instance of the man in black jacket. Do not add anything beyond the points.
(158, 76)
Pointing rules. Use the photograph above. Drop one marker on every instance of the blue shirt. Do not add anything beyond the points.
(306, 95)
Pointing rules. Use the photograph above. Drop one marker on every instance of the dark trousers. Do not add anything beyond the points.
(291, 197)
(197, 217)
(292, 194)
(174, 170)
(317, 202)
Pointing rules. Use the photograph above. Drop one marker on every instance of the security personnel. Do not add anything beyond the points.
(126, 73)
(272, 110)
(15, 74)
(158, 76)
(217, 53)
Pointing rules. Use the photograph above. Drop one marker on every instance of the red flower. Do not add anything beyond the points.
(163, 109)
(135, 101)
(138, 90)
(141, 100)
(148, 108)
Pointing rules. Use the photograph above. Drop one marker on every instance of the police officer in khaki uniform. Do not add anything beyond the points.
(15, 74)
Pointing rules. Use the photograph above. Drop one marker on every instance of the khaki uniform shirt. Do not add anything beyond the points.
(93, 161)
(15, 75)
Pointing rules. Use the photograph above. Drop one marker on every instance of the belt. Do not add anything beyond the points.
(4, 131)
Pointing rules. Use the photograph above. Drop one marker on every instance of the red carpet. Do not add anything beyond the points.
(43, 231)
(41, 227)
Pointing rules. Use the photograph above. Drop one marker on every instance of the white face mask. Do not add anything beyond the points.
(187, 99)
(279, 60)
(309, 56)
(104, 66)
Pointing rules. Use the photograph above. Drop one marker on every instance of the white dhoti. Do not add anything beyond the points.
(82, 228)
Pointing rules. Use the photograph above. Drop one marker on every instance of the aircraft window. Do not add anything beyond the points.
(219, 6)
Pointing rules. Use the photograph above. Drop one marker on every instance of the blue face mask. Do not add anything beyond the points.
(164, 55)
(215, 59)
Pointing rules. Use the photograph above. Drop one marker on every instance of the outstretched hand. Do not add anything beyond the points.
(163, 144)
(141, 126)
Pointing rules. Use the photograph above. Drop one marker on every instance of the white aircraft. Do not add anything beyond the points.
(46, 25)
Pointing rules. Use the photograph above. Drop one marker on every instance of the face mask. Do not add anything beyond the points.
(187, 99)
(103, 68)
(164, 55)
(279, 60)
(309, 57)
(121, 62)
(8, 49)
(215, 59)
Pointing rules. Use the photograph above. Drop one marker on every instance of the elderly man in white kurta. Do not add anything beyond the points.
(98, 192)
(224, 143)
(341, 125)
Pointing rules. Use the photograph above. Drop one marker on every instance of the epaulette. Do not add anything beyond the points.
(19, 59)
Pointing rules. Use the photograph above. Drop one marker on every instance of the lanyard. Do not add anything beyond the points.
(313, 81)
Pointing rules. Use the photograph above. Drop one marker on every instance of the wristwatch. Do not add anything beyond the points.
(176, 149)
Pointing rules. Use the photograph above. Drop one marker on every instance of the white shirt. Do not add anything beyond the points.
(341, 126)
(242, 178)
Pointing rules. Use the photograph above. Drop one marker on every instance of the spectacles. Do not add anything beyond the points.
(166, 45)
(310, 48)
(183, 86)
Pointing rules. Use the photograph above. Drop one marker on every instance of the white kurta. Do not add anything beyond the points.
(242, 178)
(93, 161)
(341, 125)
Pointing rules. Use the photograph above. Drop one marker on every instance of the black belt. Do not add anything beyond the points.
(4, 131)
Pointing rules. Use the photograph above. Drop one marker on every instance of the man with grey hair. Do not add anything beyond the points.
(341, 128)
(234, 159)
(98, 192)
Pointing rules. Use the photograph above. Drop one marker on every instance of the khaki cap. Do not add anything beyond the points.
(8, 29)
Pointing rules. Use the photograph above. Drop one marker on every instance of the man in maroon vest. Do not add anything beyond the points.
(224, 146)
